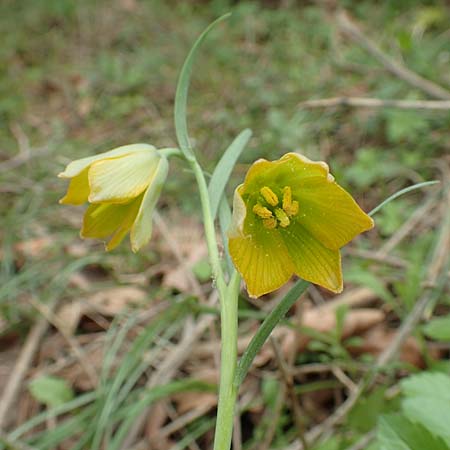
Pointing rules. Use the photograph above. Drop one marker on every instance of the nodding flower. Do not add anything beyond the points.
(122, 187)
(291, 217)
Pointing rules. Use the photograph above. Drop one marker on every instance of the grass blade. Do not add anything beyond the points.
(181, 95)
(150, 397)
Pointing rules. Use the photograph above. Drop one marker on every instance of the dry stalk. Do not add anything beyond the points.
(22, 365)
(399, 70)
(362, 102)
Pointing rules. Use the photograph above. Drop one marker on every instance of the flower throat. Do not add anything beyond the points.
(271, 212)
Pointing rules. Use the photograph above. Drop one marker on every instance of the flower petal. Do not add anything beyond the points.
(77, 166)
(78, 190)
(118, 180)
(312, 261)
(141, 230)
(106, 219)
(258, 253)
(291, 169)
(331, 214)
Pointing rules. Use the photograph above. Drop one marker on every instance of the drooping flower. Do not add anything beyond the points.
(122, 187)
(291, 217)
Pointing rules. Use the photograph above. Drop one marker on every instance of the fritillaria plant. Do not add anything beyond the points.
(289, 218)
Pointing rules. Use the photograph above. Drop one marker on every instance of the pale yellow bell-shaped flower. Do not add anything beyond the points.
(122, 187)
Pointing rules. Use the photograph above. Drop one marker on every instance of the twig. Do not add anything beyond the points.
(400, 71)
(361, 102)
(290, 390)
(272, 427)
(237, 430)
(184, 420)
(407, 227)
(25, 153)
(23, 363)
(363, 442)
(78, 352)
(393, 261)
(174, 248)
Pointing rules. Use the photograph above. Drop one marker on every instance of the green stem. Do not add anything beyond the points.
(210, 232)
(227, 390)
(228, 295)
(168, 152)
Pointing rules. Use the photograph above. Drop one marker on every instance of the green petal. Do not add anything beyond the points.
(312, 261)
(78, 190)
(106, 219)
(142, 228)
(77, 166)
(258, 253)
(331, 214)
(290, 169)
(121, 179)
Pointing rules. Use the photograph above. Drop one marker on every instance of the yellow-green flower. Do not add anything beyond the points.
(291, 217)
(122, 187)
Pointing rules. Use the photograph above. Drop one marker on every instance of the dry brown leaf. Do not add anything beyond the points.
(69, 316)
(113, 301)
(191, 246)
(379, 338)
(187, 401)
(33, 248)
(155, 422)
(356, 321)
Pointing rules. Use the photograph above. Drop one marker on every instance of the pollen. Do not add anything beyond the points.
(282, 217)
(292, 210)
(269, 196)
(290, 207)
(270, 223)
(262, 211)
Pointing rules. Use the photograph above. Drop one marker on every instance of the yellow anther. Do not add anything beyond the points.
(282, 217)
(287, 197)
(262, 211)
(292, 210)
(269, 196)
(290, 207)
(270, 223)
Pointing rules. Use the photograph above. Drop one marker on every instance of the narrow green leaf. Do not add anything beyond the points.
(222, 172)
(266, 328)
(180, 112)
(77, 402)
(401, 192)
(131, 362)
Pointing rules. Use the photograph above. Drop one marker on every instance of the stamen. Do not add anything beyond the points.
(287, 197)
(269, 196)
(270, 223)
(292, 210)
(290, 207)
(262, 211)
(282, 217)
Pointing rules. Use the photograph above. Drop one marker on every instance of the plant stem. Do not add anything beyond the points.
(168, 152)
(228, 295)
(227, 390)
(210, 232)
